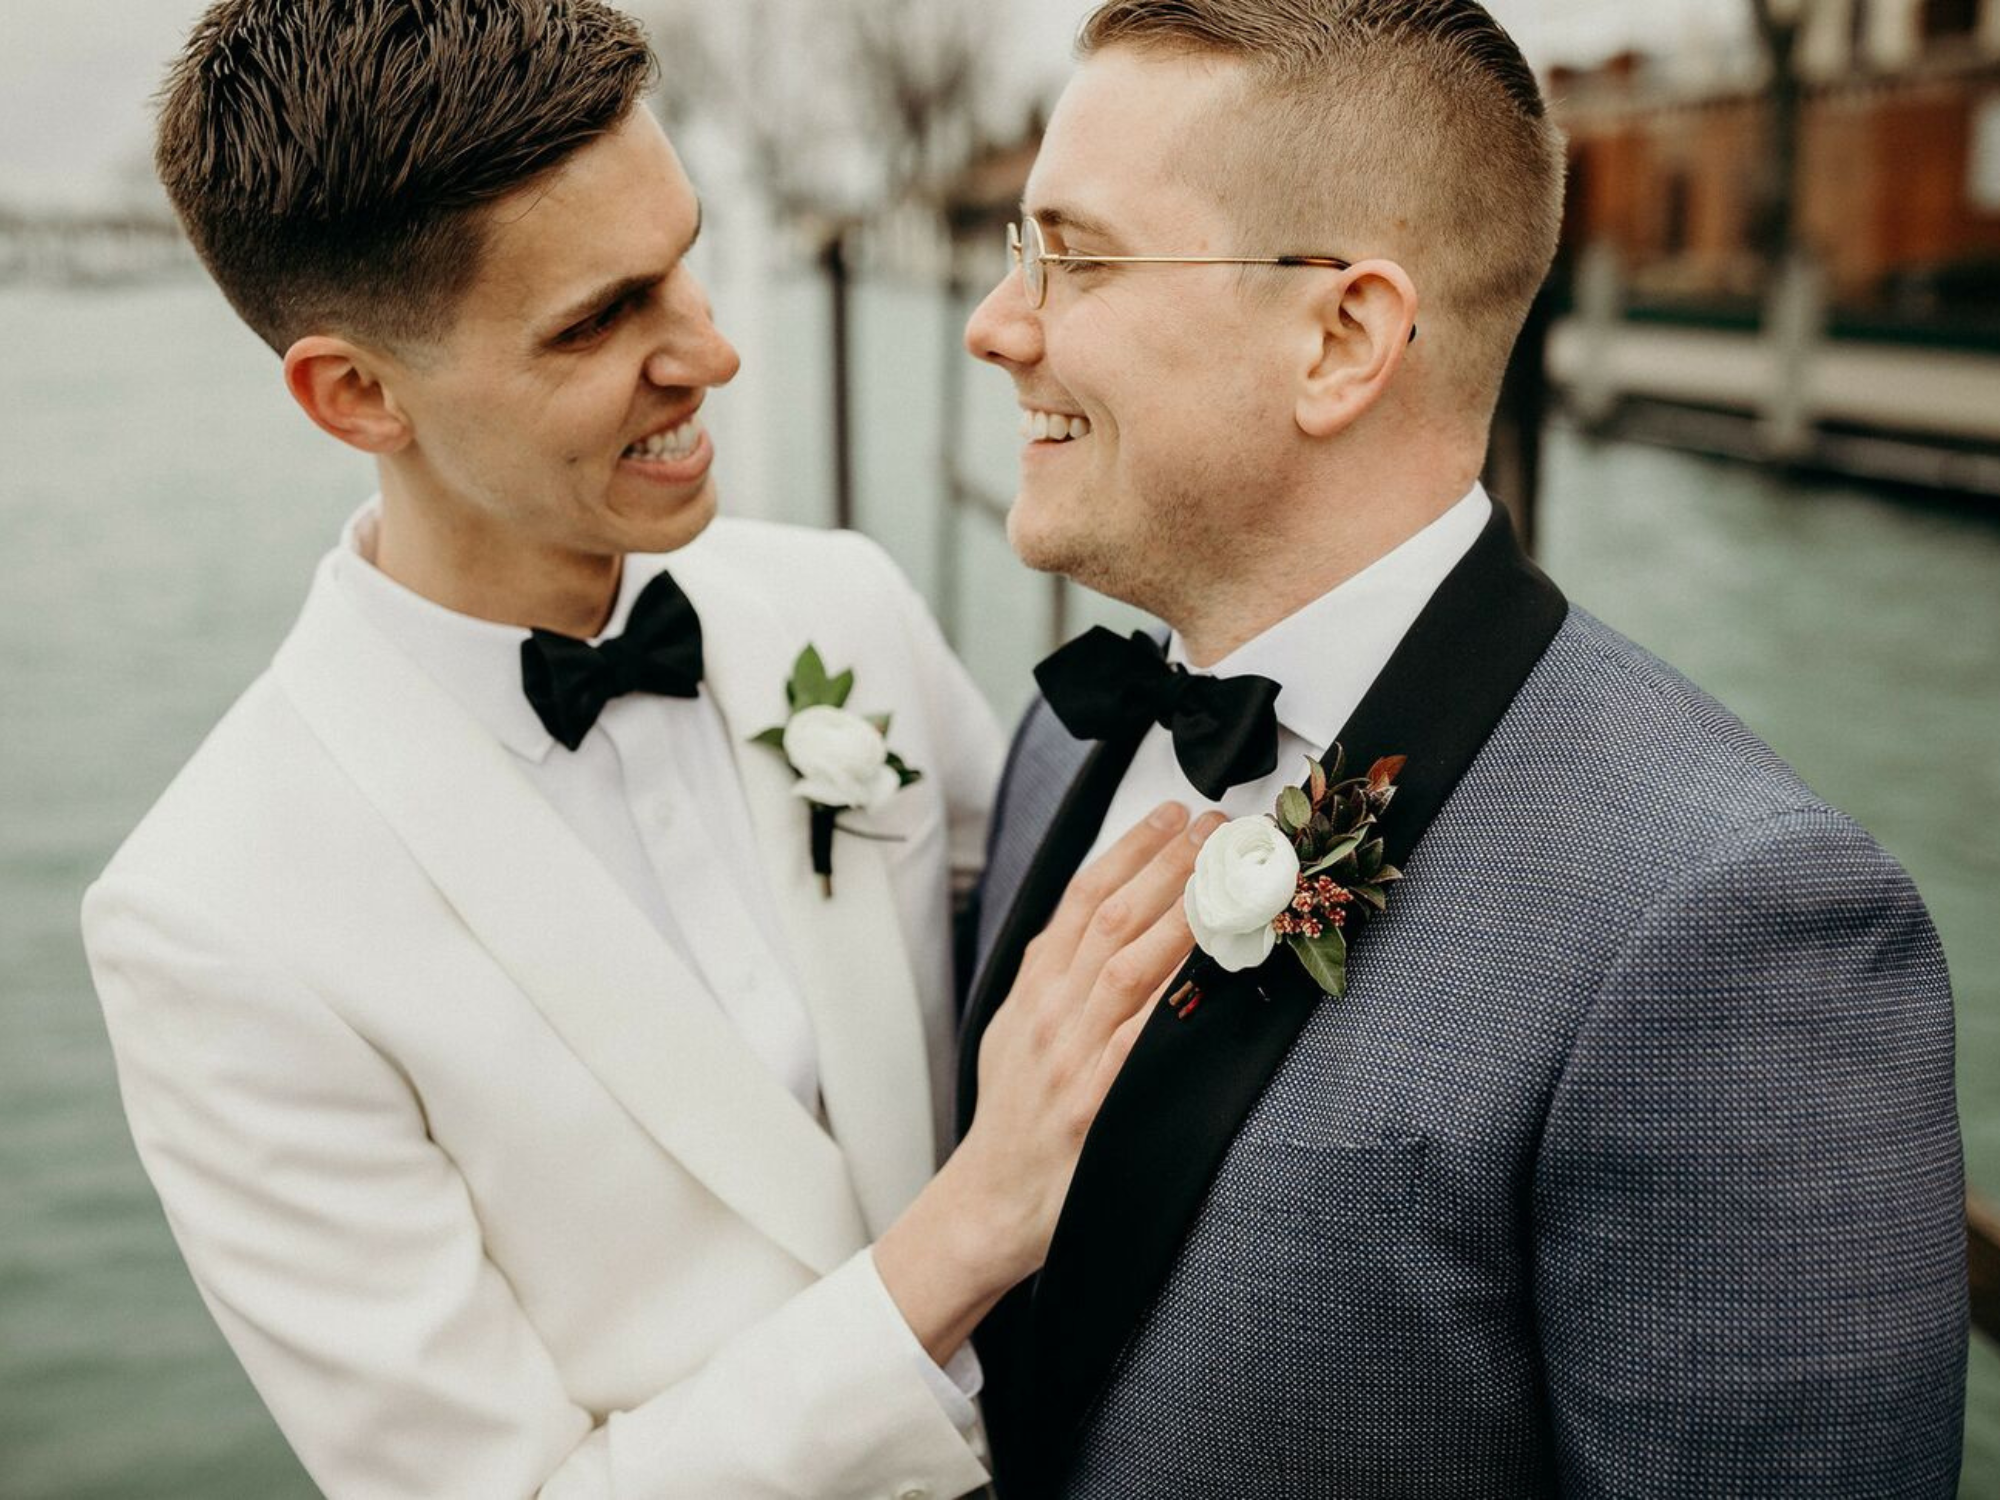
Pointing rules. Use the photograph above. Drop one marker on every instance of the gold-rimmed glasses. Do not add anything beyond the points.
(1031, 253)
(1030, 249)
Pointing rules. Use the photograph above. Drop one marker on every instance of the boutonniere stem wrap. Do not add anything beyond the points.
(842, 760)
(1298, 877)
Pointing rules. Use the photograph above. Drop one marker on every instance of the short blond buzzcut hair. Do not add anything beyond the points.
(1413, 130)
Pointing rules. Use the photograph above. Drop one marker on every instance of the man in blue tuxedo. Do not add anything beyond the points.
(1626, 1160)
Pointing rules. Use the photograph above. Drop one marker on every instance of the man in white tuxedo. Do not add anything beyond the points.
(543, 1092)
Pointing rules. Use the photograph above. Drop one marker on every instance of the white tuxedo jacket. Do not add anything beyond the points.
(483, 1189)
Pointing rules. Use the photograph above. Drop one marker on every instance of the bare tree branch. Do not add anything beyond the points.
(919, 69)
(879, 104)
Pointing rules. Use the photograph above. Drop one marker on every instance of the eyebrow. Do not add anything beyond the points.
(617, 291)
(1058, 217)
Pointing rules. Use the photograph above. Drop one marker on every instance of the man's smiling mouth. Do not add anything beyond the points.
(668, 446)
(1053, 426)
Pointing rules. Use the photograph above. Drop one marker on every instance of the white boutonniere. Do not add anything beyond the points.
(842, 760)
(1301, 876)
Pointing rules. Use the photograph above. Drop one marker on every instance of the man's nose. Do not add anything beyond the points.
(1003, 330)
(694, 352)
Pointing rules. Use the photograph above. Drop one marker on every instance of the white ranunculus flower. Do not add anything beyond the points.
(841, 758)
(1245, 875)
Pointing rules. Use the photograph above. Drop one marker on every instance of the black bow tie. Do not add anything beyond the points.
(1225, 729)
(569, 681)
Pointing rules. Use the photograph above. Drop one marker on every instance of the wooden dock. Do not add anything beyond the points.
(1897, 413)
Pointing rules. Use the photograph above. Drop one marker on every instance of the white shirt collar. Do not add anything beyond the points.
(1325, 655)
(477, 661)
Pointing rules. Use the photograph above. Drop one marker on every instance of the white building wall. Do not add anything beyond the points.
(1894, 32)
(1827, 48)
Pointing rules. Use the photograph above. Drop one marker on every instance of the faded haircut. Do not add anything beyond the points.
(330, 159)
(1408, 129)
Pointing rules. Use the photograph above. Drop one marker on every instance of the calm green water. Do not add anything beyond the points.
(162, 506)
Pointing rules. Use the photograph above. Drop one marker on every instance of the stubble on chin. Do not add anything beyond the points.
(1159, 569)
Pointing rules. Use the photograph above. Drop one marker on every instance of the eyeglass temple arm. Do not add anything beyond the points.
(1330, 261)
(1319, 260)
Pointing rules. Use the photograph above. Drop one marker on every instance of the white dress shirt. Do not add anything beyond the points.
(653, 792)
(1324, 657)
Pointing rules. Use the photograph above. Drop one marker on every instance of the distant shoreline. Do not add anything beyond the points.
(79, 249)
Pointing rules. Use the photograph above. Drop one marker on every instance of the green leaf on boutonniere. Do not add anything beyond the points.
(903, 773)
(1369, 859)
(1325, 958)
(1334, 855)
(881, 723)
(809, 681)
(1294, 811)
(1316, 783)
(811, 687)
(774, 737)
(1371, 894)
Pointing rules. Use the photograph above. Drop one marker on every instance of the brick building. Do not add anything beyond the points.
(1899, 162)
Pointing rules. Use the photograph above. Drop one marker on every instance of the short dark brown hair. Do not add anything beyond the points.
(1411, 129)
(330, 159)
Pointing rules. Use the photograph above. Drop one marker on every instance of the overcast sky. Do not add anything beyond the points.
(75, 78)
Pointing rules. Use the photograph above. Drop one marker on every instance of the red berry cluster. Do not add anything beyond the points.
(1319, 903)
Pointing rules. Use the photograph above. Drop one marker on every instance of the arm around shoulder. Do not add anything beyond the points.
(1748, 1205)
(340, 1252)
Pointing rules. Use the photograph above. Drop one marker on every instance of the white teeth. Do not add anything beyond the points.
(1053, 427)
(666, 447)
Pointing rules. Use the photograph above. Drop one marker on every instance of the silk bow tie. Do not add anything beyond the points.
(1225, 729)
(569, 681)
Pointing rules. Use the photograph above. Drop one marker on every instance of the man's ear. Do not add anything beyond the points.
(340, 386)
(1364, 323)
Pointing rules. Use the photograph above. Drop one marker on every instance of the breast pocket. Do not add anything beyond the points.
(908, 829)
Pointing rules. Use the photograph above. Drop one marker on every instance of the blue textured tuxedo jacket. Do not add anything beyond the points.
(1627, 1165)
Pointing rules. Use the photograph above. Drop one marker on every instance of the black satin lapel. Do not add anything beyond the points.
(1069, 837)
(1148, 1162)
(1002, 1338)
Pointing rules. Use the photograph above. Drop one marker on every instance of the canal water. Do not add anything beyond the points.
(162, 505)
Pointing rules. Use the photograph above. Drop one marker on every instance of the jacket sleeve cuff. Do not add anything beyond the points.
(858, 1417)
(956, 1383)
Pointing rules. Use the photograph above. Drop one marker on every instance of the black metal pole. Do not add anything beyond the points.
(951, 423)
(833, 258)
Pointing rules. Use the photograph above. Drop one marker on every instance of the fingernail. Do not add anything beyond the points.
(1168, 815)
(1206, 824)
